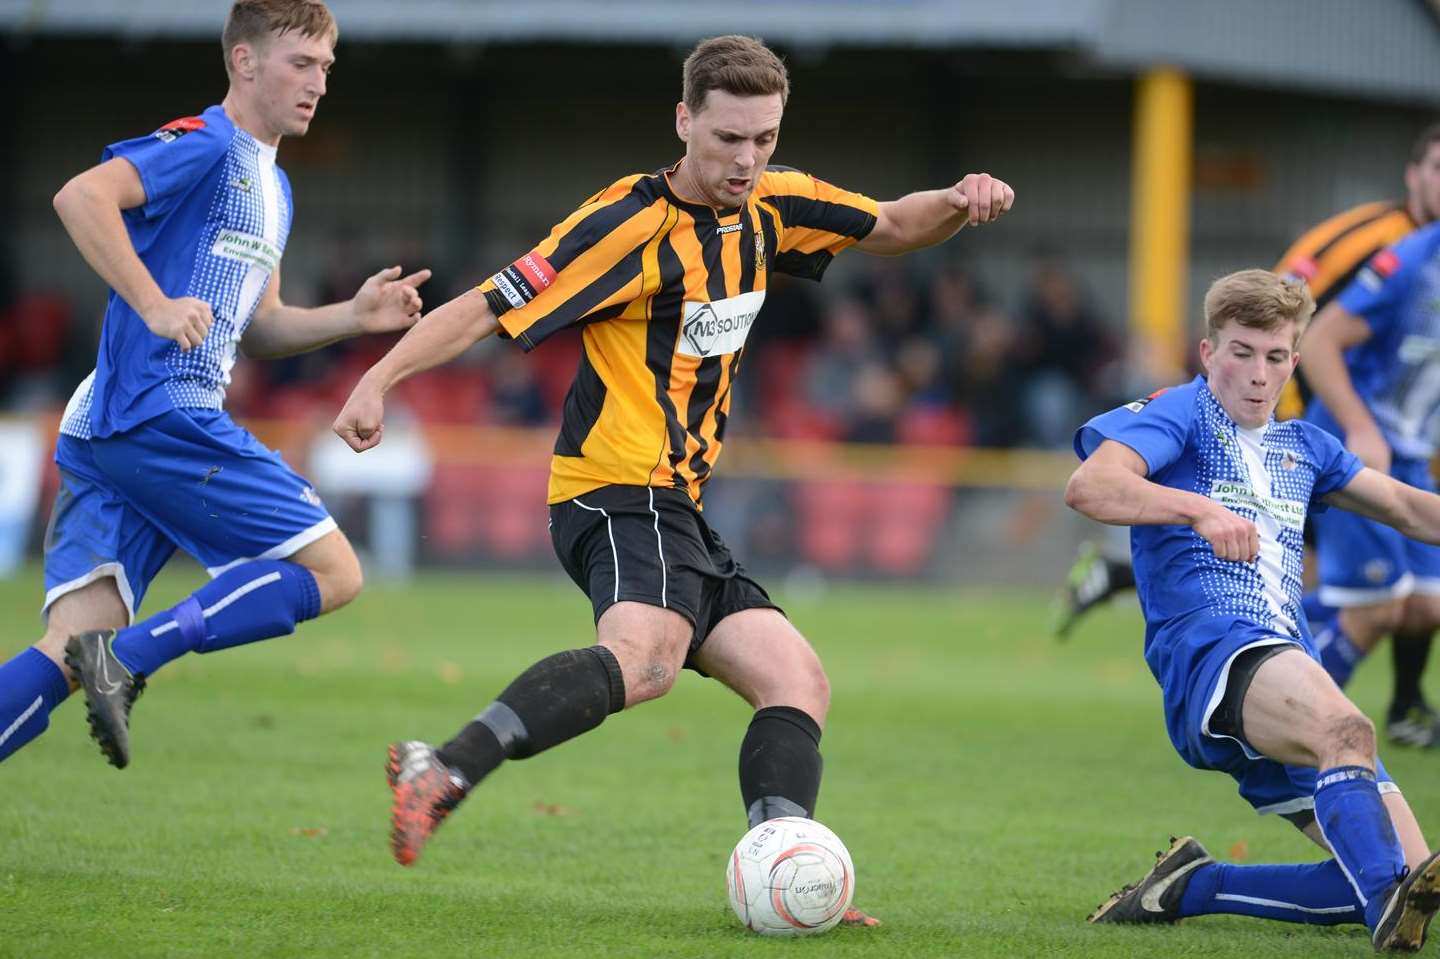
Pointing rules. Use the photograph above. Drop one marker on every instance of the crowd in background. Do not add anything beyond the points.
(894, 352)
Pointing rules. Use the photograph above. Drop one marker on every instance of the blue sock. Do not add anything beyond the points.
(1355, 823)
(1338, 655)
(1314, 893)
(30, 686)
(256, 600)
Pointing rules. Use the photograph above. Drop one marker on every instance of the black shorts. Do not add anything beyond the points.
(1226, 719)
(651, 545)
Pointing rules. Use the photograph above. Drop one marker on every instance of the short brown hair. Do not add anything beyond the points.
(256, 21)
(1428, 137)
(741, 66)
(1257, 299)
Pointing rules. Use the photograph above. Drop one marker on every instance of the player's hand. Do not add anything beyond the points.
(362, 421)
(1231, 535)
(981, 197)
(185, 320)
(1369, 444)
(388, 301)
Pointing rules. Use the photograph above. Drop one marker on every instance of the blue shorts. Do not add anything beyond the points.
(190, 479)
(1192, 663)
(1363, 562)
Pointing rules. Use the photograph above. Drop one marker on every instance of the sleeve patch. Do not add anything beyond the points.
(525, 279)
(176, 129)
(1385, 263)
(1303, 268)
(1140, 404)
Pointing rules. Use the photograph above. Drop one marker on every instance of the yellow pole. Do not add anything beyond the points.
(1160, 217)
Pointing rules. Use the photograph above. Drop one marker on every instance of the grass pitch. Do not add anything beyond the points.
(992, 785)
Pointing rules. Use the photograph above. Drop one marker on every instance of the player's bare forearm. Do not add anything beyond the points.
(915, 221)
(1111, 493)
(918, 220)
(1372, 494)
(286, 330)
(92, 218)
(1322, 352)
(440, 336)
(385, 303)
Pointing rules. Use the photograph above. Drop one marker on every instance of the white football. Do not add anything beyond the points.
(790, 877)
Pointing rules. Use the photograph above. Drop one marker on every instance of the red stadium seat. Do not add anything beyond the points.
(905, 521)
(934, 426)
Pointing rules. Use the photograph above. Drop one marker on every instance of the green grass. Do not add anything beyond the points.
(991, 784)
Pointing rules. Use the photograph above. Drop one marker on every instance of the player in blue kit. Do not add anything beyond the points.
(1372, 358)
(1216, 492)
(187, 226)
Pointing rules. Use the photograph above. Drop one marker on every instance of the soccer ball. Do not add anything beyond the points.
(790, 877)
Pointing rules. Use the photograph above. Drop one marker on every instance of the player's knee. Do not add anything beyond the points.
(657, 678)
(1422, 614)
(650, 663)
(1367, 625)
(1352, 734)
(811, 689)
(797, 679)
(340, 582)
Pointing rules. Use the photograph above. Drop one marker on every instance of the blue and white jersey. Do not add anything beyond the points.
(1397, 371)
(213, 226)
(1272, 476)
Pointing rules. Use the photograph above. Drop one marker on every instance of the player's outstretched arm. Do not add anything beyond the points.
(1111, 487)
(89, 206)
(1333, 331)
(1379, 496)
(918, 220)
(385, 302)
(442, 335)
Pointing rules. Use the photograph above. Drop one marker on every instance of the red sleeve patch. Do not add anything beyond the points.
(1385, 263)
(525, 279)
(176, 129)
(1304, 268)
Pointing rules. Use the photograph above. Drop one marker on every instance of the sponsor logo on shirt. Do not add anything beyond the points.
(1235, 495)
(247, 248)
(176, 129)
(1140, 404)
(720, 326)
(1385, 263)
(732, 228)
(525, 279)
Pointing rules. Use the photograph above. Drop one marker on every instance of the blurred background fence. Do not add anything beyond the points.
(906, 419)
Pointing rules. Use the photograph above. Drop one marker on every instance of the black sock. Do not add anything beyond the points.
(1409, 651)
(1122, 574)
(557, 699)
(780, 764)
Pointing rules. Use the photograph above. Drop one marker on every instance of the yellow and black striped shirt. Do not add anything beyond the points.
(1328, 256)
(667, 291)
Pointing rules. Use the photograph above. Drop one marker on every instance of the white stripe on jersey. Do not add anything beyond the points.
(257, 276)
(1272, 553)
